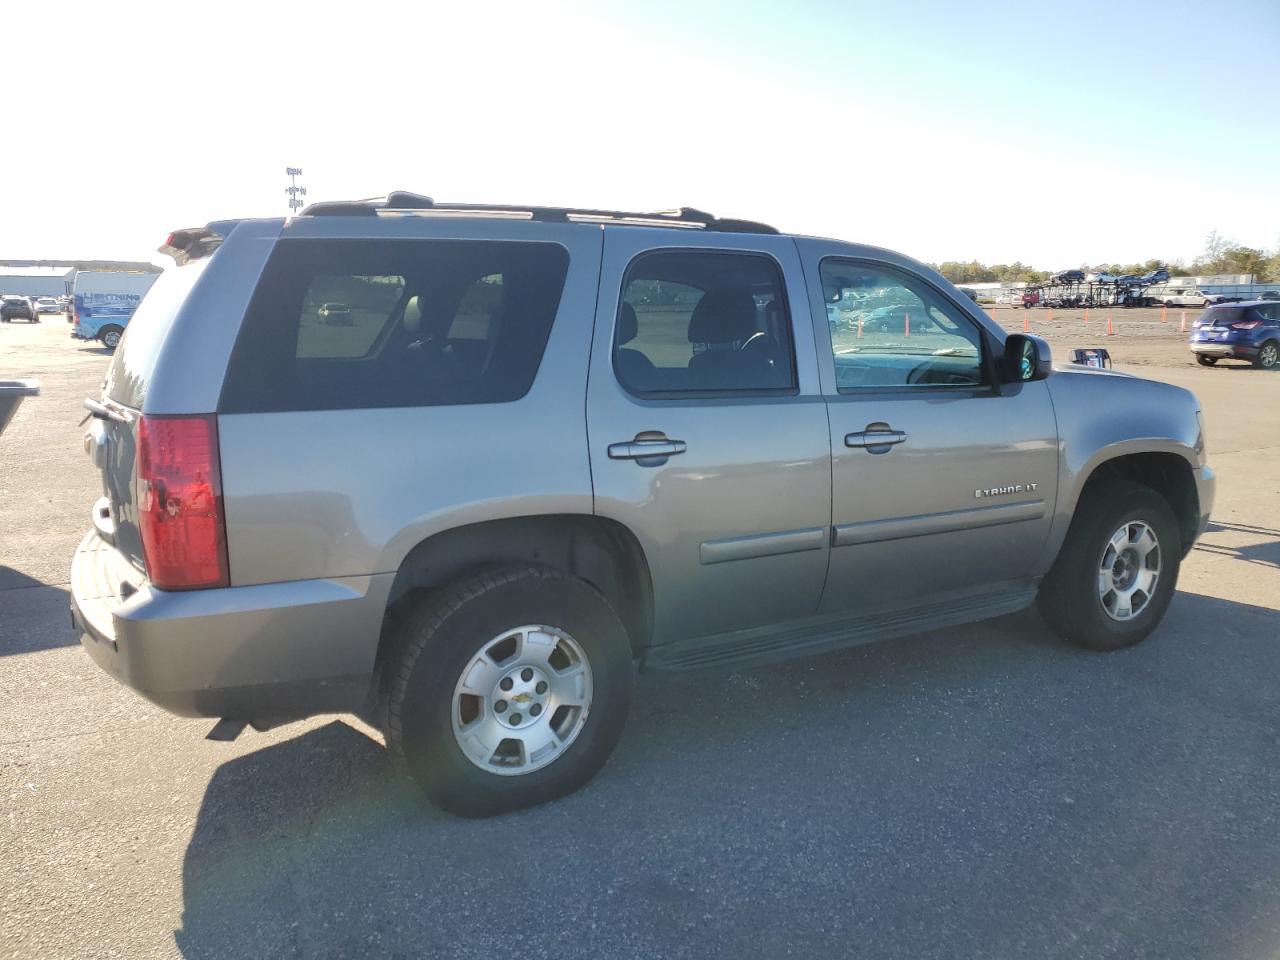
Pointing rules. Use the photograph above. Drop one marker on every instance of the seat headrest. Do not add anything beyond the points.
(628, 326)
(723, 316)
(413, 316)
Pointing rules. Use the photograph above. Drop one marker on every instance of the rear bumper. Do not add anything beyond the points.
(1242, 351)
(264, 654)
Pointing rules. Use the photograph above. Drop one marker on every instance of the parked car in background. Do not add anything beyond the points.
(1155, 276)
(14, 307)
(1030, 298)
(1239, 331)
(47, 305)
(1269, 295)
(335, 314)
(1214, 298)
(1188, 297)
(1069, 276)
(470, 517)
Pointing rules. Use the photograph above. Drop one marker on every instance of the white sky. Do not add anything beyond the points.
(981, 137)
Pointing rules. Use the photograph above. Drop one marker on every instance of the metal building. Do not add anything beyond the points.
(37, 281)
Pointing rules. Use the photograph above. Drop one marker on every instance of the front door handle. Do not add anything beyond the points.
(882, 437)
(650, 448)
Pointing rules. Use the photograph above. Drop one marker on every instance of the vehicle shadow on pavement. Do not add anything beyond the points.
(33, 615)
(1265, 553)
(981, 791)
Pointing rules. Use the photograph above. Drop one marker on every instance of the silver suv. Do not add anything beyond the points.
(548, 445)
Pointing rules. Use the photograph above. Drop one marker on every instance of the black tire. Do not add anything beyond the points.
(1205, 361)
(439, 639)
(1268, 357)
(109, 337)
(1069, 598)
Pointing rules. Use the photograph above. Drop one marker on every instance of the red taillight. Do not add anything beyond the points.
(1245, 325)
(180, 502)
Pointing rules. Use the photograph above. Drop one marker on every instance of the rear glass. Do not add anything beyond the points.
(135, 357)
(355, 324)
(1220, 316)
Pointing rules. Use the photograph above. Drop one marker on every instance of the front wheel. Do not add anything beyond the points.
(1268, 356)
(1205, 361)
(508, 690)
(1116, 573)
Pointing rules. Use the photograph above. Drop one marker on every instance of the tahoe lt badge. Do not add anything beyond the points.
(1004, 491)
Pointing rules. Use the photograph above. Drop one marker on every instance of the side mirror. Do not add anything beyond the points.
(1026, 358)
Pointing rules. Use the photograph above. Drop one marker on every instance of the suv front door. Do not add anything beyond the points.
(943, 483)
(707, 428)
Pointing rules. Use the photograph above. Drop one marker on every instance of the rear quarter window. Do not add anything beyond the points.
(355, 324)
(135, 358)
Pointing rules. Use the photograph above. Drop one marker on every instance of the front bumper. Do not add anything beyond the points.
(1206, 488)
(264, 654)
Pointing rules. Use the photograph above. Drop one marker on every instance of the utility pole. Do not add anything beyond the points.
(295, 192)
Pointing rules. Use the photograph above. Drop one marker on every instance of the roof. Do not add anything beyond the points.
(37, 271)
(402, 203)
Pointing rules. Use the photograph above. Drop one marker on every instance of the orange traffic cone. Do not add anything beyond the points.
(1111, 327)
(1050, 315)
(1182, 327)
(1086, 314)
(1026, 323)
(1164, 313)
(906, 327)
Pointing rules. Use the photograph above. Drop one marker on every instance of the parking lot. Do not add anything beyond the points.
(984, 791)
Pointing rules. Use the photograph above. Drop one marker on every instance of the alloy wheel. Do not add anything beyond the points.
(522, 700)
(1129, 571)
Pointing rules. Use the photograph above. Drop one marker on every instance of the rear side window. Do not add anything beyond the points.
(135, 358)
(354, 324)
(698, 323)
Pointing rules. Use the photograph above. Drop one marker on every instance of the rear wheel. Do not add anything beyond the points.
(110, 337)
(1117, 570)
(508, 690)
(1268, 356)
(1205, 361)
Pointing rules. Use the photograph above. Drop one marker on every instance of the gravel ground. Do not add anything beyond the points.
(980, 792)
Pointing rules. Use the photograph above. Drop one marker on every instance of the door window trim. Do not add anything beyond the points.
(990, 379)
(699, 396)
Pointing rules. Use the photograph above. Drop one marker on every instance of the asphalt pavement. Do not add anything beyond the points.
(978, 792)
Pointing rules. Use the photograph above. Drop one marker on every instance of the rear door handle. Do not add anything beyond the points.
(643, 448)
(874, 438)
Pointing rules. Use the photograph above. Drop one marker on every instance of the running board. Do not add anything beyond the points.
(749, 648)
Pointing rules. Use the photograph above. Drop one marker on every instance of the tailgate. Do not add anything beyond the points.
(111, 444)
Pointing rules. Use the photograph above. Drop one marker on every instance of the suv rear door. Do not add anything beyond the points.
(943, 484)
(707, 430)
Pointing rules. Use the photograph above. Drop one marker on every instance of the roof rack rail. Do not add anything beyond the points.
(403, 200)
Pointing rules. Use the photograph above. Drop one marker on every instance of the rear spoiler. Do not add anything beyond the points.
(194, 243)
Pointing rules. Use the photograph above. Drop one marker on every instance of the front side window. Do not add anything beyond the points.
(890, 330)
(703, 323)
(354, 324)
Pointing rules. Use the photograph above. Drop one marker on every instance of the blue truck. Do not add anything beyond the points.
(104, 301)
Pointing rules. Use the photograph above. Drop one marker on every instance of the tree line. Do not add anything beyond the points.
(1221, 255)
